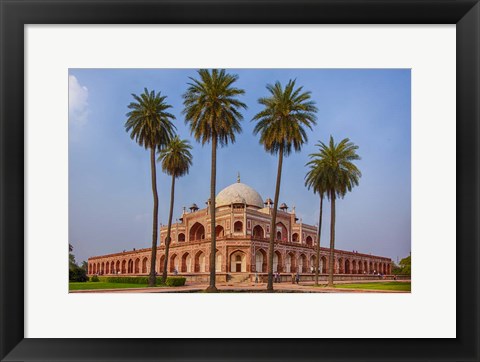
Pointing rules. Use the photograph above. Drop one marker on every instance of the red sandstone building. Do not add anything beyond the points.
(242, 234)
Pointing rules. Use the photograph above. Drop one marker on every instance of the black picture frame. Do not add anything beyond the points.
(16, 14)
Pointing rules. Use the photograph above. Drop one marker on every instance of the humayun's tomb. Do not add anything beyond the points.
(242, 237)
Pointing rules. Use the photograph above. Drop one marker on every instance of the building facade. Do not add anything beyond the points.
(242, 237)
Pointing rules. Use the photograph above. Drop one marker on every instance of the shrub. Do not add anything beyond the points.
(175, 281)
(128, 280)
(77, 274)
(94, 279)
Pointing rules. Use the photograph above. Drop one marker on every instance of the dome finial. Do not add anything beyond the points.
(238, 177)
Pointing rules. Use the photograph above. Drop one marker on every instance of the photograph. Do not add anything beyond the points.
(239, 180)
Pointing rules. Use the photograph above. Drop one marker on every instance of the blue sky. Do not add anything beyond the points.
(110, 201)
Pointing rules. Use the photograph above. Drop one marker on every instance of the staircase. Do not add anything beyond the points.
(238, 278)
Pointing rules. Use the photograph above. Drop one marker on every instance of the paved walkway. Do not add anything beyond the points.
(251, 287)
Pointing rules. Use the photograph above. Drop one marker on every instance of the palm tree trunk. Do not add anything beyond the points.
(152, 279)
(169, 229)
(317, 261)
(332, 238)
(212, 288)
(274, 222)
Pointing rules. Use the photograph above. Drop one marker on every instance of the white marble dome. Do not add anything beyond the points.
(238, 193)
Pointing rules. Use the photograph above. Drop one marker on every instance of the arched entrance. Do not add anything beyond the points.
(281, 232)
(238, 262)
(197, 232)
(309, 241)
(277, 261)
(219, 232)
(261, 261)
(302, 264)
(295, 238)
(181, 237)
(186, 263)
(238, 227)
(347, 267)
(137, 266)
(323, 264)
(200, 262)
(174, 263)
(161, 264)
(258, 232)
(144, 265)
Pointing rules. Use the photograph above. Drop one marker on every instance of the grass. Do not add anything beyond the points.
(103, 285)
(400, 286)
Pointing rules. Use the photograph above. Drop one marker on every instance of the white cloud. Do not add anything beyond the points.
(77, 101)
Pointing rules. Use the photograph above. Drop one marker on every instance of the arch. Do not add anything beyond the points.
(354, 267)
(309, 240)
(281, 232)
(219, 232)
(186, 263)
(238, 262)
(258, 232)
(370, 267)
(161, 264)
(218, 261)
(295, 237)
(323, 264)
(173, 263)
(260, 261)
(144, 265)
(348, 267)
(117, 267)
(107, 268)
(94, 269)
(137, 266)
(112, 267)
(124, 267)
(181, 237)
(360, 267)
(238, 227)
(130, 266)
(341, 266)
(200, 262)
(102, 270)
(313, 263)
(277, 261)
(290, 263)
(302, 264)
(197, 232)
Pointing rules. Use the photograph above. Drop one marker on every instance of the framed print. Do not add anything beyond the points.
(411, 66)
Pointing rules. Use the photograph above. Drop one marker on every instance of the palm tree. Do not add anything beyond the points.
(281, 125)
(315, 180)
(334, 164)
(176, 160)
(212, 110)
(150, 125)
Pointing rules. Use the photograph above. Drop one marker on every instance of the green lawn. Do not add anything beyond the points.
(103, 285)
(401, 286)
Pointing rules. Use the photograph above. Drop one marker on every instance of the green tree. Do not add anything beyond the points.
(281, 124)
(176, 160)
(406, 265)
(71, 258)
(150, 125)
(75, 272)
(315, 180)
(212, 110)
(334, 164)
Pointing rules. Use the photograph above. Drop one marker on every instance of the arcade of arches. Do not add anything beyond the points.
(242, 233)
